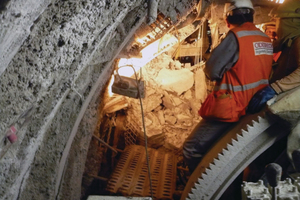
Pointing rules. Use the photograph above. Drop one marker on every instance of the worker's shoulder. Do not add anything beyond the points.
(297, 41)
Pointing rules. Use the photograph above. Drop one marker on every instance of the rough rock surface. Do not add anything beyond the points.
(167, 105)
(167, 80)
(57, 56)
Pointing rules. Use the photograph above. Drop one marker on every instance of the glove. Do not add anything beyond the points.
(258, 101)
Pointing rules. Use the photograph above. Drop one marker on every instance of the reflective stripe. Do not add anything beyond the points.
(247, 33)
(238, 88)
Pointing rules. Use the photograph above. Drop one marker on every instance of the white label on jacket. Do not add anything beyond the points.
(263, 48)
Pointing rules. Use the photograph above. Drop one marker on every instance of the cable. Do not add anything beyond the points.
(145, 136)
(144, 128)
(198, 58)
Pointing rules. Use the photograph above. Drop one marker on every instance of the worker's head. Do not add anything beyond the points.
(270, 30)
(238, 12)
(287, 17)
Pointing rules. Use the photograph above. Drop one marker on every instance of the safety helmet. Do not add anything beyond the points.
(242, 6)
(288, 9)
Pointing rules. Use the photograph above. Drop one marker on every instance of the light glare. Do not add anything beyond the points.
(148, 53)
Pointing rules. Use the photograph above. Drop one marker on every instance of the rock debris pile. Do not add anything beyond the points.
(174, 92)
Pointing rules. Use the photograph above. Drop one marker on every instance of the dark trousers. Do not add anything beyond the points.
(202, 138)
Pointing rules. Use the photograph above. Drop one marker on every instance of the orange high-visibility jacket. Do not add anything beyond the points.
(231, 95)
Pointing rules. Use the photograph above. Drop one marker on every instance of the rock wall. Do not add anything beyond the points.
(56, 58)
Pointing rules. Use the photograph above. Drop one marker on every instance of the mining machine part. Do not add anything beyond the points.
(202, 8)
(286, 189)
(130, 176)
(232, 154)
(147, 34)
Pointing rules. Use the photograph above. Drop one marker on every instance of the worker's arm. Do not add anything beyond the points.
(292, 80)
(222, 58)
(288, 82)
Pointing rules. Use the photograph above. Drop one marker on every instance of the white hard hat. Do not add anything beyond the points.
(245, 5)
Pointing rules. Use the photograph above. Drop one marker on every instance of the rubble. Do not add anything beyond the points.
(177, 81)
(173, 98)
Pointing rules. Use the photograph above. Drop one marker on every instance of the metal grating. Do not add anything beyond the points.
(130, 133)
(130, 177)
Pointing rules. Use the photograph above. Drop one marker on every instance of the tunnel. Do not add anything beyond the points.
(83, 80)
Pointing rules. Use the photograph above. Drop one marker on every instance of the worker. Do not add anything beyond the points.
(240, 65)
(286, 74)
(270, 30)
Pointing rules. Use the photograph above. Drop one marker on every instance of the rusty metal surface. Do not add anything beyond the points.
(130, 177)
